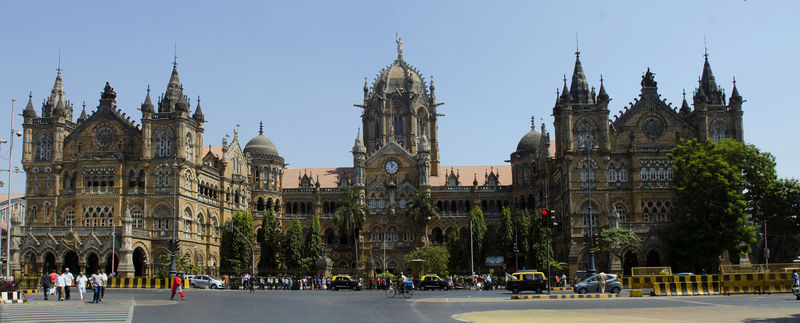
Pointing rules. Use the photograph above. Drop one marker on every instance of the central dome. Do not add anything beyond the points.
(530, 142)
(401, 76)
(261, 146)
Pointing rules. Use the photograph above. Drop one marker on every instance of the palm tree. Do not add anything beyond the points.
(421, 209)
(351, 216)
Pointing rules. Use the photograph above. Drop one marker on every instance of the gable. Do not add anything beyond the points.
(651, 120)
(105, 132)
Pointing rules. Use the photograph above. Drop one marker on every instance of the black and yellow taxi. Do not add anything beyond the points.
(344, 282)
(433, 281)
(527, 280)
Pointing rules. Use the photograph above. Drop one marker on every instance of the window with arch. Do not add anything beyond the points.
(422, 123)
(612, 173)
(720, 129)
(136, 217)
(188, 178)
(408, 236)
(32, 211)
(94, 216)
(622, 212)
(587, 174)
(162, 177)
(585, 130)
(214, 227)
(163, 141)
(162, 217)
(69, 217)
(585, 213)
(200, 224)
(43, 146)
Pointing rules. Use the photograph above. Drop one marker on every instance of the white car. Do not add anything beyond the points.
(206, 281)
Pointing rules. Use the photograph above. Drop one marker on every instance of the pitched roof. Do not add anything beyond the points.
(468, 173)
(216, 150)
(328, 176)
(4, 198)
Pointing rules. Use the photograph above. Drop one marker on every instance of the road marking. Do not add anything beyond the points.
(130, 311)
(691, 302)
(44, 312)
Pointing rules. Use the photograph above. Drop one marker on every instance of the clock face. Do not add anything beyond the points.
(104, 136)
(392, 166)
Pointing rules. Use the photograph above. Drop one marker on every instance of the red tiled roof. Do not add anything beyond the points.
(4, 197)
(216, 150)
(467, 173)
(328, 177)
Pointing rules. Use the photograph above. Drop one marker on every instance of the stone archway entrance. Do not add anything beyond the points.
(139, 261)
(29, 264)
(631, 260)
(437, 236)
(71, 261)
(92, 264)
(49, 262)
(108, 268)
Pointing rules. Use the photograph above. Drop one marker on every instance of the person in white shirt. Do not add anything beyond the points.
(80, 281)
(60, 286)
(68, 278)
(105, 282)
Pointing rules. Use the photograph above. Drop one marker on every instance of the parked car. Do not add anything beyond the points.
(592, 285)
(527, 280)
(431, 281)
(684, 274)
(208, 281)
(344, 281)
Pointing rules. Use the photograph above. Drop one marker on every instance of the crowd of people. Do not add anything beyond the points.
(60, 284)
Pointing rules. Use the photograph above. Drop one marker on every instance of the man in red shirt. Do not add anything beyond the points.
(177, 287)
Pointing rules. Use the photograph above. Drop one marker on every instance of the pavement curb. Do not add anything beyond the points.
(576, 296)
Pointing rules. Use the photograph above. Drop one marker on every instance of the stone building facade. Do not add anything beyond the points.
(104, 185)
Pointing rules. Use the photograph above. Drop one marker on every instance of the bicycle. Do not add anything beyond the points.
(407, 292)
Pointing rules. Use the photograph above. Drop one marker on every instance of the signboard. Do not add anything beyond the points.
(496, 261)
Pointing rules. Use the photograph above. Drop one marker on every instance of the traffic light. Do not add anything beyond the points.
(545, 216)
(515, 248)
(177, 245)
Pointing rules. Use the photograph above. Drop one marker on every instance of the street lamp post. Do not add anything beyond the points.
(589, 176)
(173, 270)
(471, 251)
(8, 218)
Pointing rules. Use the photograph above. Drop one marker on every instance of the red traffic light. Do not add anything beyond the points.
(544, 212)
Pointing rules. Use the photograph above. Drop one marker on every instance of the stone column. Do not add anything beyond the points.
(16, 241)
(126, 269)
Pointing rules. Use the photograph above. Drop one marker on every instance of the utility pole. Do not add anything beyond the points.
(546, 207)
(589, 177)
(471, 251)
(8, 218)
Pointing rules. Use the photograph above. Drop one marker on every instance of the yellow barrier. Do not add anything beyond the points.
(686, 289)
(644, 281)
(636, 293)
(142, 283)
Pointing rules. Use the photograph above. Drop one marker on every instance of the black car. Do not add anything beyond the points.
(434, 282)
(344, 282)
(527, 280)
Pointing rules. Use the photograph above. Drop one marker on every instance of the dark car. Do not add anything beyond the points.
(592, 285)
(527, 280)
(344, 282)
(433, 282)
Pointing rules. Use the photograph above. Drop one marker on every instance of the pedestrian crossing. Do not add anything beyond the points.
(60, 312)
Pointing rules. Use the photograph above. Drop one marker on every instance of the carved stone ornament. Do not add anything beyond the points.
(652, 127)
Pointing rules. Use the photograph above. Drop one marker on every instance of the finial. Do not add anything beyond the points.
(84, 104)
(399, 42)
(684, 93)
(175, 55)
(601, 79)
(198, 100)
(705, 46)
(148, 89)
(533, 122)
(59, 62)
(734, 81)
(565, 79)
(30, 94)
(261, 127)
(577, 49)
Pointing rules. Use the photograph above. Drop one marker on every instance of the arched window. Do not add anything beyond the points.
(719, 129)
(623, 172)
(136, 215)
(44, 143)
(612, 173)
(162, 217)
(622, 212)
(214, 227)
(163, 142)
(69, 217)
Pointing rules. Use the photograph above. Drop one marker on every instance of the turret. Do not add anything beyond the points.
(198, 113)
(359, 161)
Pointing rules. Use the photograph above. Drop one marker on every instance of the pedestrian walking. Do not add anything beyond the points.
(53, 276)
(601, 281)
(45, 282)
(80, 281)
(177, 286)
(252, 284)
(68, 279)
(103, 286)
(60, 287)
(97, 284)
(795, 284)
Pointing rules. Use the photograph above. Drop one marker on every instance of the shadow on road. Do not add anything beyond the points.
(792, 318)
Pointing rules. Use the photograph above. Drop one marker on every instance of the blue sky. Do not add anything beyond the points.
(299, 66)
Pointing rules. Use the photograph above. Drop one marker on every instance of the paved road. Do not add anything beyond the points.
(149, 306)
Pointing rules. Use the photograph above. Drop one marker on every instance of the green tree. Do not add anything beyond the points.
(710, 208)
(350, 217)
(435, 260)
(538, 235)
(506, 232)
(270, 242)
(455, 249)
(313, 245)
(293, 248)
(478, 233)
(523, 237)
(236, 243)
(420, 210)
(617, 241)
(781, 208)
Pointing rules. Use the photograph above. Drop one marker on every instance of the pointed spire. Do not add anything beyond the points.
(83, 117)
(565, 91)
(708, 89)
(433, 89)
(174, 87)
(198, 112)
(29, 112)
(147, 106)
(474, 179)
(735, 97)
(602, 96)
(57, 94)
(366, 88)
(359, 147)
(579, 88)
(684, 105)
